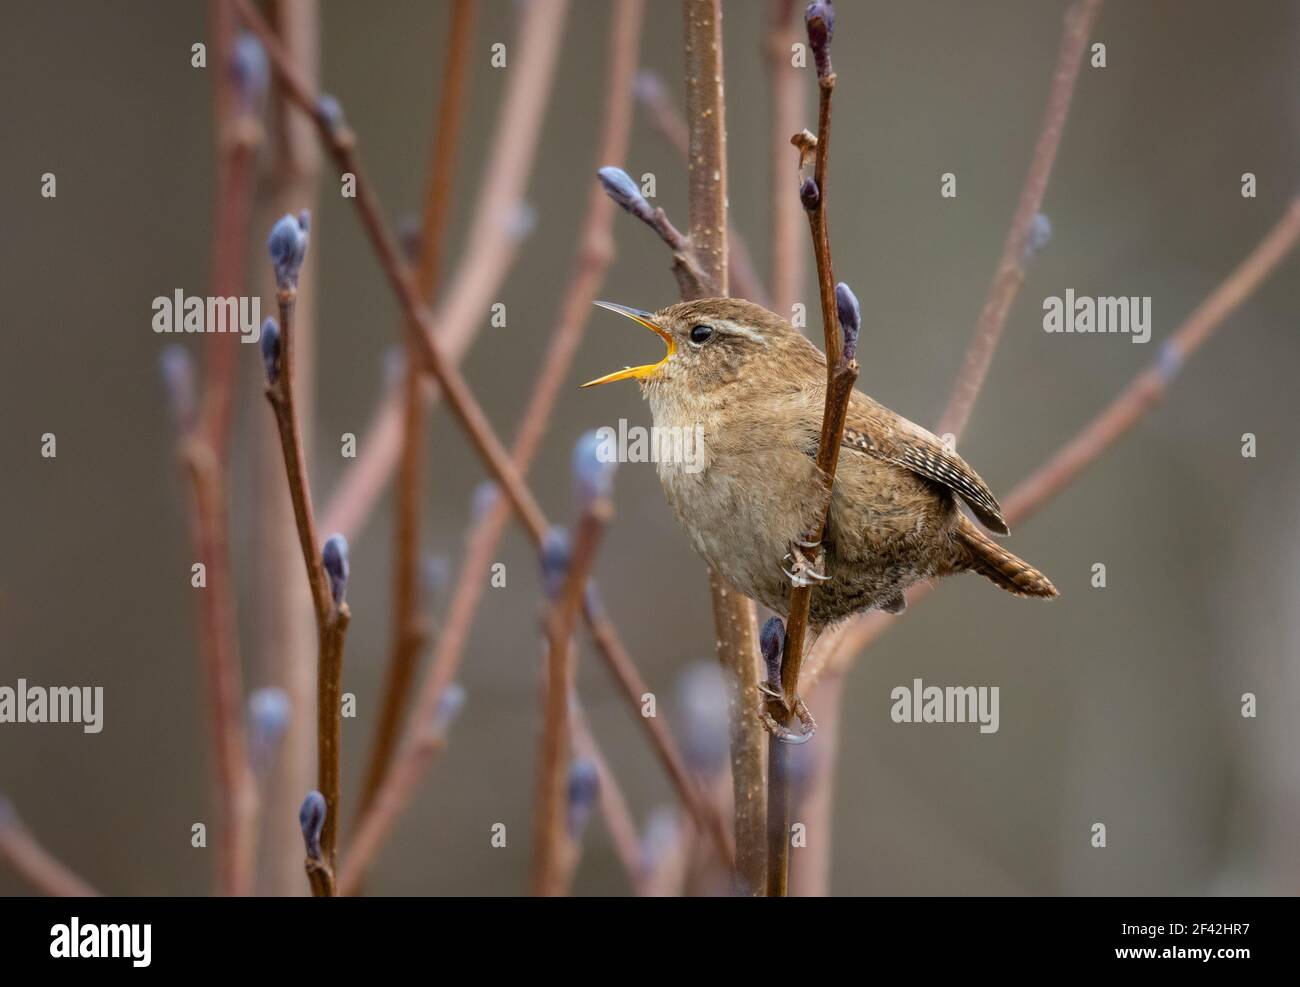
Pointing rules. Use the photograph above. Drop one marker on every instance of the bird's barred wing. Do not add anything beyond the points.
(875, 431)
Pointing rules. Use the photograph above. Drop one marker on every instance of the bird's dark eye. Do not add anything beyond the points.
(700, 334)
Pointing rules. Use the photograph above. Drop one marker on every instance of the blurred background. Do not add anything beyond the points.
(1119, 705)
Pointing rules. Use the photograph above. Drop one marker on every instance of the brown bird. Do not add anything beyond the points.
(757, 388)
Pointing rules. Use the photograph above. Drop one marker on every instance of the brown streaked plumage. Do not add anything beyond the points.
(757, 388)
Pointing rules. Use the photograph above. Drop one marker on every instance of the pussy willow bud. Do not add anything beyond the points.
(177, 370)
(701, 714)
(810, 194)
(584, 788)
(248, 68)
(620, 187)
(555, 560)
(330, 112)
(450, 703)
(593, 469)
(1040, 234)
(334, 556)
(772, 643)
(819, 18)
(484, 499)
(287, 245)
(270, 344)
(850, 313)
(311, 817)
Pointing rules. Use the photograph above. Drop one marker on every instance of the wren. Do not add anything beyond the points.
(757, 388)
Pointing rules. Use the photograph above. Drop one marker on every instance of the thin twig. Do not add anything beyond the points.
(1010, 274)
(204, 451)
(1114, 421)
(286, 626)
(841, 375)
(733, 613)
(785, 87)
(554, 751)
(497, 231)
(40, 868)
(332, 614)
(409, 630)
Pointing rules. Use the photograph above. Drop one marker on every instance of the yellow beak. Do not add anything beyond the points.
(630, 373)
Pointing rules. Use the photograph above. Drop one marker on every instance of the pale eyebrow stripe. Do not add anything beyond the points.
(738, 330)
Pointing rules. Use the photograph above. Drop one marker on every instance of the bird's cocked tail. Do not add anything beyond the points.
(986, 557)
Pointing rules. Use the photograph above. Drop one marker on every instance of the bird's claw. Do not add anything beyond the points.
(805, 571)
(778, 730)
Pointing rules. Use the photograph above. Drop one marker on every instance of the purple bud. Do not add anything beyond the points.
(521, 220)
(593, 469)
(661, 835)
(450, 703)
(270, 344)
(819, 18)
(584, 789)
(810, 194)
(701, 715)
(248, 67)
(648, 87)
(329, 112)
(288, 246)
(268, 712)
(850, 313)
(772, 643)
(311, 817)
(335, 558)
(435, 573)
(178, 378)
(1169, 361)
(1040, 234)
(268, 718)
(484, 499)
(593, 602)
(409, 235)
(555, 560)
(620, 187)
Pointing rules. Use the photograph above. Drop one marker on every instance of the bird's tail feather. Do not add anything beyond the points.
(981, 554)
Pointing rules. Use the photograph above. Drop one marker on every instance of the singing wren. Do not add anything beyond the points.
(757, 388)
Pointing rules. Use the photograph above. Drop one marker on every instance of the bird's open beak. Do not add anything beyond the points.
(645, 319)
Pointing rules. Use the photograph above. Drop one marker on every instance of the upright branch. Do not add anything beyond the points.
(786, 88)
(327, 569)
(841, 321)
(239, 91)
(409, 631)
(733, 613)
(1019, 245)
(565, 575)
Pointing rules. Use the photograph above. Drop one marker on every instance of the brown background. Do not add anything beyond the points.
(1118, 705)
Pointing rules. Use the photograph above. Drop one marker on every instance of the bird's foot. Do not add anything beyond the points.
(805, 570)
(778, 730)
